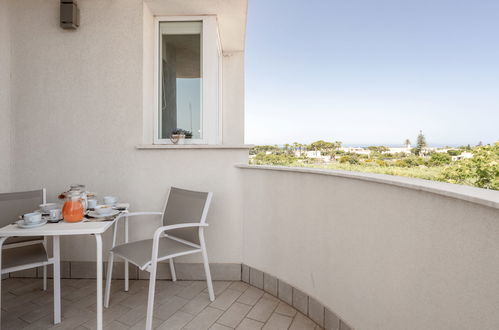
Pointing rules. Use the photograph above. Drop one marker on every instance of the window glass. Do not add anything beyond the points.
(180, 79)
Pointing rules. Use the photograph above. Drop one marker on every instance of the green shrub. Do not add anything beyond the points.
(271, 159)
(380, 162)
(401, 163)
(349, 159)
(439, 159)
(481, 171)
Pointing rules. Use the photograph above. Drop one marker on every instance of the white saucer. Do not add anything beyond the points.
(49, 219)
(21, 224)
(94, 214)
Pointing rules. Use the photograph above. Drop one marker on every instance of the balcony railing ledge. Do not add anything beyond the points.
(475, 195)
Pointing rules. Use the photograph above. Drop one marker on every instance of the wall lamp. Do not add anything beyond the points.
(70, 15)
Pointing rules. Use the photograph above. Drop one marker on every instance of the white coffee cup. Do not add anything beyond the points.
(55, 214)
(91, 203)
(32, 218)
(104, 209)
(48, 206)
(110, 200)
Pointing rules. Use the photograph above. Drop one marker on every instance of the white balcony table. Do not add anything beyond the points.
(67, 229)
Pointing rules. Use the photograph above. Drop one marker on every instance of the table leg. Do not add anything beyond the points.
(45, 266)
(2, 239)
(98, 240)
(126, 261)
(57, 279)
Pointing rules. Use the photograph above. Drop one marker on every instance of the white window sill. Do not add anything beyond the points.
(192, 146)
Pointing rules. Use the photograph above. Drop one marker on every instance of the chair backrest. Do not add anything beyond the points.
(14, 204)
(186, 206)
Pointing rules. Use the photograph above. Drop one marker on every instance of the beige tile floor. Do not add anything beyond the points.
(179, 305)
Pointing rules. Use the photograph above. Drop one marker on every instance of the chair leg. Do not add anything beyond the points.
(172, 270)
(206, 264)
(127, 277)
(45, 278)
(109, 276)
(150, 298)
(208, 275)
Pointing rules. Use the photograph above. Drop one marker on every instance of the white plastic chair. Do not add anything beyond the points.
(182, 233)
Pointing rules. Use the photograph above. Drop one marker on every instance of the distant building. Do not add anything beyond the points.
(356, 150)
(404, 150)
(314, 154)
(464, 155)
(443, 150)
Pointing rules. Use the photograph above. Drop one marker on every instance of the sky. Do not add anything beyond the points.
(367, 72)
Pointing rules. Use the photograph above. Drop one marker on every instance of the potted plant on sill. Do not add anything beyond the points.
(179, 135)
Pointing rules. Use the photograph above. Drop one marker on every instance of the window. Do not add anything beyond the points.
(187, 80)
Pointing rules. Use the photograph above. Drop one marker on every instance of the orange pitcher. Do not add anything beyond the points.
(73, 209)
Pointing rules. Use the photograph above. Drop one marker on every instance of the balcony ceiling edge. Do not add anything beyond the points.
(231, 16)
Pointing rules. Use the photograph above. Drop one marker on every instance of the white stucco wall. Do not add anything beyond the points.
(5, 110)
(380, 255)
(233, 98)
(78, 115)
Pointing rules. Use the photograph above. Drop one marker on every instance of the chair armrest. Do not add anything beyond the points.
(178, 226)
(133, 214)
(161, 230)
(127, 214)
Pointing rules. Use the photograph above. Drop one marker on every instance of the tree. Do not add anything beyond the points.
(288, 150)
(378, 149)
(407, 143)
(298, 147)
(480, 171)
(326, 148)
(420, 144)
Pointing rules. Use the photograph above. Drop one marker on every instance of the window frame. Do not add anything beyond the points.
(211, 76)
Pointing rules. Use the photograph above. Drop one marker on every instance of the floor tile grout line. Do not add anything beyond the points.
(232, 305)
(245, 304)
(293, 320)
(140, 289)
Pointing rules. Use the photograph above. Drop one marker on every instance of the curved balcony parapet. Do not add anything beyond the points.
(378, 251)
